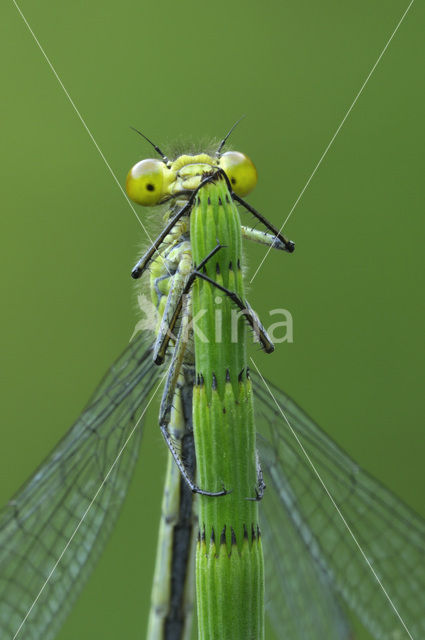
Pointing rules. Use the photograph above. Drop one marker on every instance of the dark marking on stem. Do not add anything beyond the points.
(233, 537)
(217, 268)
(245, 532)
(212, 539)
(253, 536)
(220, 201)
(201, 379)
(239, 264)
(227, 375)
(240, 376)
(258, 532)
(230, 266)
(223, 536)
(214, 382)
(248, 377)
(209, 200)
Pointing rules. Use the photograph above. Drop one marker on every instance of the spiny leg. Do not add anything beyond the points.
(262, 237)
(178, 291)
(166, 404)
(174, 301)
(288, 245)
(244, 306)
(246, 310)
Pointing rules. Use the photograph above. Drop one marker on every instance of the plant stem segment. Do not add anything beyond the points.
(229, 561)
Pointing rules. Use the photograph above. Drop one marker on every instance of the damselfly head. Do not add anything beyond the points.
(152, 181)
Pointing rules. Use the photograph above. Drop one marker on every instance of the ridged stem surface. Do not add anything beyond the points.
(229, 560)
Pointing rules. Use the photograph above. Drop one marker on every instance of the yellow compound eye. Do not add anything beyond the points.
(240, 170)
(145, 181)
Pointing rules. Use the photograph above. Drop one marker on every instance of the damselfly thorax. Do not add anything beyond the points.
(169, 272)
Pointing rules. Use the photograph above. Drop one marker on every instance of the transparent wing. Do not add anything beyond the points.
(300, 601)
(40, 520)
(305, 536)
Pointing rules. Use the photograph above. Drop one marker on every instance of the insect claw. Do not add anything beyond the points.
(219, 245)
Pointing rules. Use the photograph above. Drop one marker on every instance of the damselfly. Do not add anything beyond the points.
(54, 529)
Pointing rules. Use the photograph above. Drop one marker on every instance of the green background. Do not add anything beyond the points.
(68, 237)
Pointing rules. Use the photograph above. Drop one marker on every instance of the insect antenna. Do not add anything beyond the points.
(223, 142)
(157, 149)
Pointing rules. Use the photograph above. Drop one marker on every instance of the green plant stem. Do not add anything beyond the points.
(229, 561)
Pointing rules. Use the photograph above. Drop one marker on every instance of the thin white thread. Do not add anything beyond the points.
(328, 493)
(85, 125)
(335, 135)
(258, 268)
(87, 510)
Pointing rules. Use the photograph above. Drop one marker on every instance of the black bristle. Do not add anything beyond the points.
(233, 537)
(223, 536)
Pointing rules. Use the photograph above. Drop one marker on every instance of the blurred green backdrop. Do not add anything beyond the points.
(69, 239)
